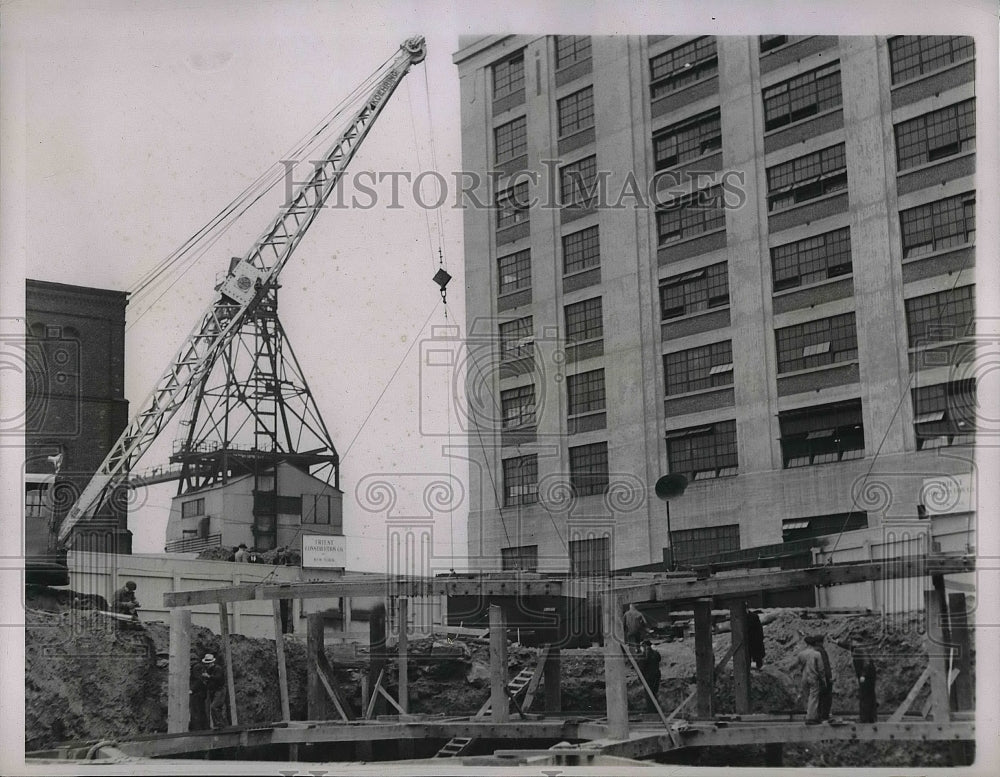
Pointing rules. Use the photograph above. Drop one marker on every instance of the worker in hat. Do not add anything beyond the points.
(242, 554)
(649, 666)
(810, 663)
(207, 680)
(863, 658)
(125, 601)
(635, 626)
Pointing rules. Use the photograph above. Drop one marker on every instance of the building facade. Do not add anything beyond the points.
(745, 260)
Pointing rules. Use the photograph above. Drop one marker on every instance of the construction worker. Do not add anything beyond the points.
(649, 666)
(864, 669)
(207, 679)
(635, 625)
(240, 556)
(755, 638)
(810, 663)
(826, 693)
(125, 601)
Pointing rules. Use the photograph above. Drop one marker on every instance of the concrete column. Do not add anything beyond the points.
(553, 681)
(937, 657)
(315, 693)
(614, 666)
(499, 711)
(179, 672)
(704, 657)
(741, 656)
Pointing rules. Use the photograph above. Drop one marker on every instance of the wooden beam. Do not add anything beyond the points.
(236, 593)
(937, 657)
(903, 708)
(649, 691)
(374, 698)
(499, 712)
(964, 685)
(402, 645)
(179, 672)
(553, 681)
(377, 655)
(739, 626)
(536, 679)
(329, 682)
(614, 666)
(227, 654)
(279, 648)
(391, 700)
(316, 706)
(704, 657)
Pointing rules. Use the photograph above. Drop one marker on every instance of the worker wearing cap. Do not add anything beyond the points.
(125, 601)
(810, 662)
(635, 624)
(207, 679)
(864, 669)
(240, 556)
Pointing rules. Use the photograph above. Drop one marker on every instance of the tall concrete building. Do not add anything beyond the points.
(744, 260)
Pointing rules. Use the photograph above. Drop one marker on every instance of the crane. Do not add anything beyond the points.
(248, 282)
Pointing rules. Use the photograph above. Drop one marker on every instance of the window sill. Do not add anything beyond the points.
(579, 343)
(938, 252)
(587, 414)
(581, 272)
(806, 203)
(922, 76)
(683, 240)
(514, 293)
(573, 134)
(803, 120)
(934, 163)
(699, 392)
(934, 345)
(674, 92)
(785, 45)
(813, 285)
(696, 314)
(686, 162)
(820, 368)
(564, 68)
(842, 460)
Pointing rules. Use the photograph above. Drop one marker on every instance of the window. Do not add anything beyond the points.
(694, 291)
(806, 177)
(815, 343)
(805, 95)
(771, 42)
(524, 558)
(811, 260)
(578, 182)
(687, 140)
(588, 468)
(942, 316)
(586, 392)
(512, 205)
(699, 368)
(511, 139)
(576, 112)
(914, 55)
(508, 76)
(675, 69)
(517, 339)
(690, 544)
(518, 407)
(945, 414)
(317, 508)
(936, 135)
(793, 529)
(690, 215)
(520, 481)
(819, 435)
(590, 557)
(515, 271)
(703, 452)
(581, 250)
(192, 508)
(571, 49)
(584, 321)
(938, 225)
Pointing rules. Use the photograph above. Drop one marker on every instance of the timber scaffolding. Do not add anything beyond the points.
(582, 741)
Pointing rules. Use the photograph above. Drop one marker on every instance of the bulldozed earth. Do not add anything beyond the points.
(89, 676)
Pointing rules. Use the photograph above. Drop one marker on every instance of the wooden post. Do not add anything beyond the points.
(704, 656)
(614, 666)
(179, 672)
(499, 712)
(347, 616)
(937, 658)
(227, 654)
(279, 647)
(553, 681)
(376, 663)
(315, 693)
(402, 646)
(964, 686)
(741, 656)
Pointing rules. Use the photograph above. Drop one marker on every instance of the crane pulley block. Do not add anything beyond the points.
(243, 282)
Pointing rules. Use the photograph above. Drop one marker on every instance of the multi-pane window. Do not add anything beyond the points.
(511, 139)
(819, 435)
(675, 69)
(578, 182)
(802, 96)
(584, 321)
(576, 112)
(571, 49)
(815, 343)
(793, 529)
(508, 76)
(512, 205)
(699, 368)
(936, 135)
(945, 414)
(694, 291)
(523, 557)
(585, 392)
(914, 55)
(687, 140)
(588, 468)
(520, 480)
(581, 250)
(942, 316)
(806, 177)
(192, 508)
(514, 271)
(709, 542)
(517, 339)
(318, 508)
(811, 260)
(518, 407)
(690, 215)
(771, 42)
(938, 225)
(590, 557)
(702, 452)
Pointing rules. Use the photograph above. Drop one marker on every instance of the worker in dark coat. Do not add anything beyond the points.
(649, 665)
(207, 680)
(755, 638)
(125, 601)
(864, 670)
(635, 625)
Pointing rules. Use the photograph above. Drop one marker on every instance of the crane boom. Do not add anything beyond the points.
(246, 284)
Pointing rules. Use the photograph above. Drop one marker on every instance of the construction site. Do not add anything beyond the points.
(795, 611)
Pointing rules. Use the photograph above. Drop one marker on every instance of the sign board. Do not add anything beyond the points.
(324, 551)
(947, 494)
